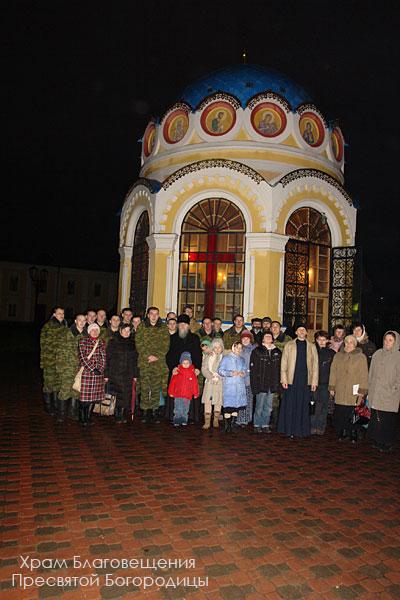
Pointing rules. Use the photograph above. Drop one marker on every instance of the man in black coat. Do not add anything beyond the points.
(185, 341)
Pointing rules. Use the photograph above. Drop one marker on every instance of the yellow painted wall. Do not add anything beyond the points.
(266, 283)
(238, 154)
(157, 279)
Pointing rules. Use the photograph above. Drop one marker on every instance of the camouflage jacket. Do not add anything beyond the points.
(50, 336)
(151, 340)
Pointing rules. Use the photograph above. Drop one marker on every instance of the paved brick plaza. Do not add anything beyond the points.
(262, 516)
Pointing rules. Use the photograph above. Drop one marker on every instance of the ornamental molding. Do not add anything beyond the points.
(177, 106)
(220, 163)
(137, 198)
(274, 242)
(252, 103)
(301, 173)
(306, 107)
(219, 96)
(162, 241)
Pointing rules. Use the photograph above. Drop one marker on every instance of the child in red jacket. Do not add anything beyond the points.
(183, 387)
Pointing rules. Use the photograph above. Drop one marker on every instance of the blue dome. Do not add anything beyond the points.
(243, 82)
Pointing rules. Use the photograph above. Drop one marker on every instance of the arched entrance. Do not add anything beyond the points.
(307, 269)
(211, 267)
(140, 265)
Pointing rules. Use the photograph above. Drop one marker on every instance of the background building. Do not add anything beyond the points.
(240, 206)
(29, 292)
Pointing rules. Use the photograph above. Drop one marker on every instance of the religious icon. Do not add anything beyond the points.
(266, 125)
(177, 130)
(268, 119)
(337, 143)
(176, 126)
(217, 125)
(218, 118)
(308, 134)
(149, 139)
(312, 129)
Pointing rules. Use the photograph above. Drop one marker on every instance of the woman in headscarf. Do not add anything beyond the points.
(212, 392)
(367, 346)
(348, 383)
(121, 370)
(92, 357)
(384, 392)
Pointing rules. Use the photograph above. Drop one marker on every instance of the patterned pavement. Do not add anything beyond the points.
(262, 517)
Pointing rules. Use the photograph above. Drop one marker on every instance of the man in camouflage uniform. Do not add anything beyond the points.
(67, 366)
(50, 337)
(152, 343)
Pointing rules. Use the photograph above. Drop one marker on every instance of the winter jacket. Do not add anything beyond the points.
(67, 361)
(152, 341)
(265, 369)
(233, 387)
(92, 386)
(348, 369)
(212, 383)
(281, 340)
(184, 384)
(325, 358)
(50, 337)
(384, 378)
(368, 348)
(246, 353)
(288, 363)
(257, 335)
(190, 343)
(121, 367)
(231, 336)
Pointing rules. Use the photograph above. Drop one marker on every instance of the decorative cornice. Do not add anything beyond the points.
(152, 185)
(176, 106)
(305, 107)
(219, 96)
(301, 173)
(216, 163)
(268, 95)
(273, 242)
(162, 241)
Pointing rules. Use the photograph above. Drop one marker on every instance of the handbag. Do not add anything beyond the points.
(106, 407)
(361, 414)
(78, 377)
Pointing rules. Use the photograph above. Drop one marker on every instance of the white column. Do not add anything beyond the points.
(125, 269)
(165, 243)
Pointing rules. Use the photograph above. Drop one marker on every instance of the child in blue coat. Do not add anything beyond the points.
(233, 371)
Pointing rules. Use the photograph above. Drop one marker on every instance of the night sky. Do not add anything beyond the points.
(81, 80)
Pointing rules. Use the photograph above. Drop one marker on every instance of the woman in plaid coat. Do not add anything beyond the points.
(92, 385)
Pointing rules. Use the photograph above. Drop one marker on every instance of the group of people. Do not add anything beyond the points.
(187, 371)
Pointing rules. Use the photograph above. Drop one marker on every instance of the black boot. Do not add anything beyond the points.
(53, 402)
(156, 416)
(60, 414)
(73, 409)
(353, 436)
(89, 412)
(233, 424)
(228, 425)
(47, 403)
(149, 416)
(342, 435)
(82, 413)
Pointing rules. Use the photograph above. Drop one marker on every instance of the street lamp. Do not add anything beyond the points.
(37, 278)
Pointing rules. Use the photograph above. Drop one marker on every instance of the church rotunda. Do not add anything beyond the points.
(240, 206)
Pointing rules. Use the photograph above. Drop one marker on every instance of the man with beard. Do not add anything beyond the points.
(185, 341)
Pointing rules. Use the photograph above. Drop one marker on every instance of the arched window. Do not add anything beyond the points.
(307, 269)
(211, 273)
(140, 265)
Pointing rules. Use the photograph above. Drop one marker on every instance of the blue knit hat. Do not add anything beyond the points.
(185, 356)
